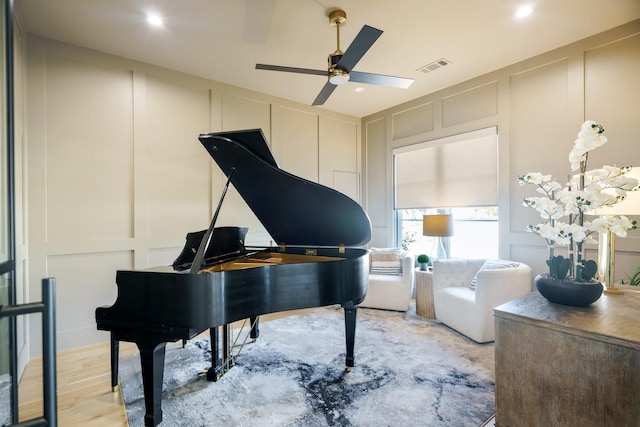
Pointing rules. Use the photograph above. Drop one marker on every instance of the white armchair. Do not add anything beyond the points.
(393, 290)
(470, 311)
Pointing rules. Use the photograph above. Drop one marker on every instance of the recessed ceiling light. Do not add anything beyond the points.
(524, 11)
(155, 20)
(359, 89)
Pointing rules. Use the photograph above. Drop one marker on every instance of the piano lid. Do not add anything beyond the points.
(294, 211)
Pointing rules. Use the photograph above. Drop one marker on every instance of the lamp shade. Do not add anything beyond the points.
(606, 245)
(437, 225)
(630, 205)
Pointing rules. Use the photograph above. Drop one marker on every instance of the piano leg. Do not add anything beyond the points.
(220, 365)
(255, 330)
(212, 372)
(152, 361)
(115, 350)
(350, 313)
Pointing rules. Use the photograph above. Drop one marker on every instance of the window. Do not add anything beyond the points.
(475, 232)
(454, 175)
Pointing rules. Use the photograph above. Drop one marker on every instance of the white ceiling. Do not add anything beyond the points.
(222, 40)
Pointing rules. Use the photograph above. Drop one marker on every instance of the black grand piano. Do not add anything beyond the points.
(218, 280)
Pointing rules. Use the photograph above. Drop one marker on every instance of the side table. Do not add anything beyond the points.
(424, 294)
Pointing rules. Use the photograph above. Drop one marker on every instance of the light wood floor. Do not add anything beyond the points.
(84, 388)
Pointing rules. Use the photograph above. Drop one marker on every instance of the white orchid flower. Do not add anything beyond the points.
(534, 178)
(585, 192)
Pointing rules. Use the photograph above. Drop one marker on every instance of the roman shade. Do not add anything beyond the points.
(456, 171)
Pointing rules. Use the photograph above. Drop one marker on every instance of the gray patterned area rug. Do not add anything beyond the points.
(409, 372)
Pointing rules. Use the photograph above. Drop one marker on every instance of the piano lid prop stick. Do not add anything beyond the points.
(206, 239)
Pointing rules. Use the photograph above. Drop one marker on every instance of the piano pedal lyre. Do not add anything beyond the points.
(219, 367)
(214, 373)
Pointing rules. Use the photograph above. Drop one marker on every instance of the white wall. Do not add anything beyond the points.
(117, 176)
(538, 106)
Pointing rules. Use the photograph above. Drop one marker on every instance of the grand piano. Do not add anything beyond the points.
(217, 280)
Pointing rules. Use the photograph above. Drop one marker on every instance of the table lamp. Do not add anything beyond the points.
(438, 226)
(606, 245)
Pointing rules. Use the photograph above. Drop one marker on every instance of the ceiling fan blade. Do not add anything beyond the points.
(324, 93)
(292, 69)
(380, 79)
(358, 47)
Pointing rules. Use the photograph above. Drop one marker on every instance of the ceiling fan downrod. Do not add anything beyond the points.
(337, 76)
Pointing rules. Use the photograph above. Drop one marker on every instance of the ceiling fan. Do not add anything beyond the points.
(341, 63)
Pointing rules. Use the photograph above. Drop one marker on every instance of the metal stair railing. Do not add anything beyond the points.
(47, 308)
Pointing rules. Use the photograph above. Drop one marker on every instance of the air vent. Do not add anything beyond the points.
(434, 65)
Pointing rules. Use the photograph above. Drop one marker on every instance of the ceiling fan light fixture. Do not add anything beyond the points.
(338, 77)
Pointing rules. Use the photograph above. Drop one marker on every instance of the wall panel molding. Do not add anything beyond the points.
(471, 104)
(376, 173)
(118, 178)
(538, 105)
(413, 121)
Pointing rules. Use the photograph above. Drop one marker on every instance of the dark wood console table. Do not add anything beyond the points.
(568, 366)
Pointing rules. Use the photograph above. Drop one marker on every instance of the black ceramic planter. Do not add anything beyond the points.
(577, 294)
